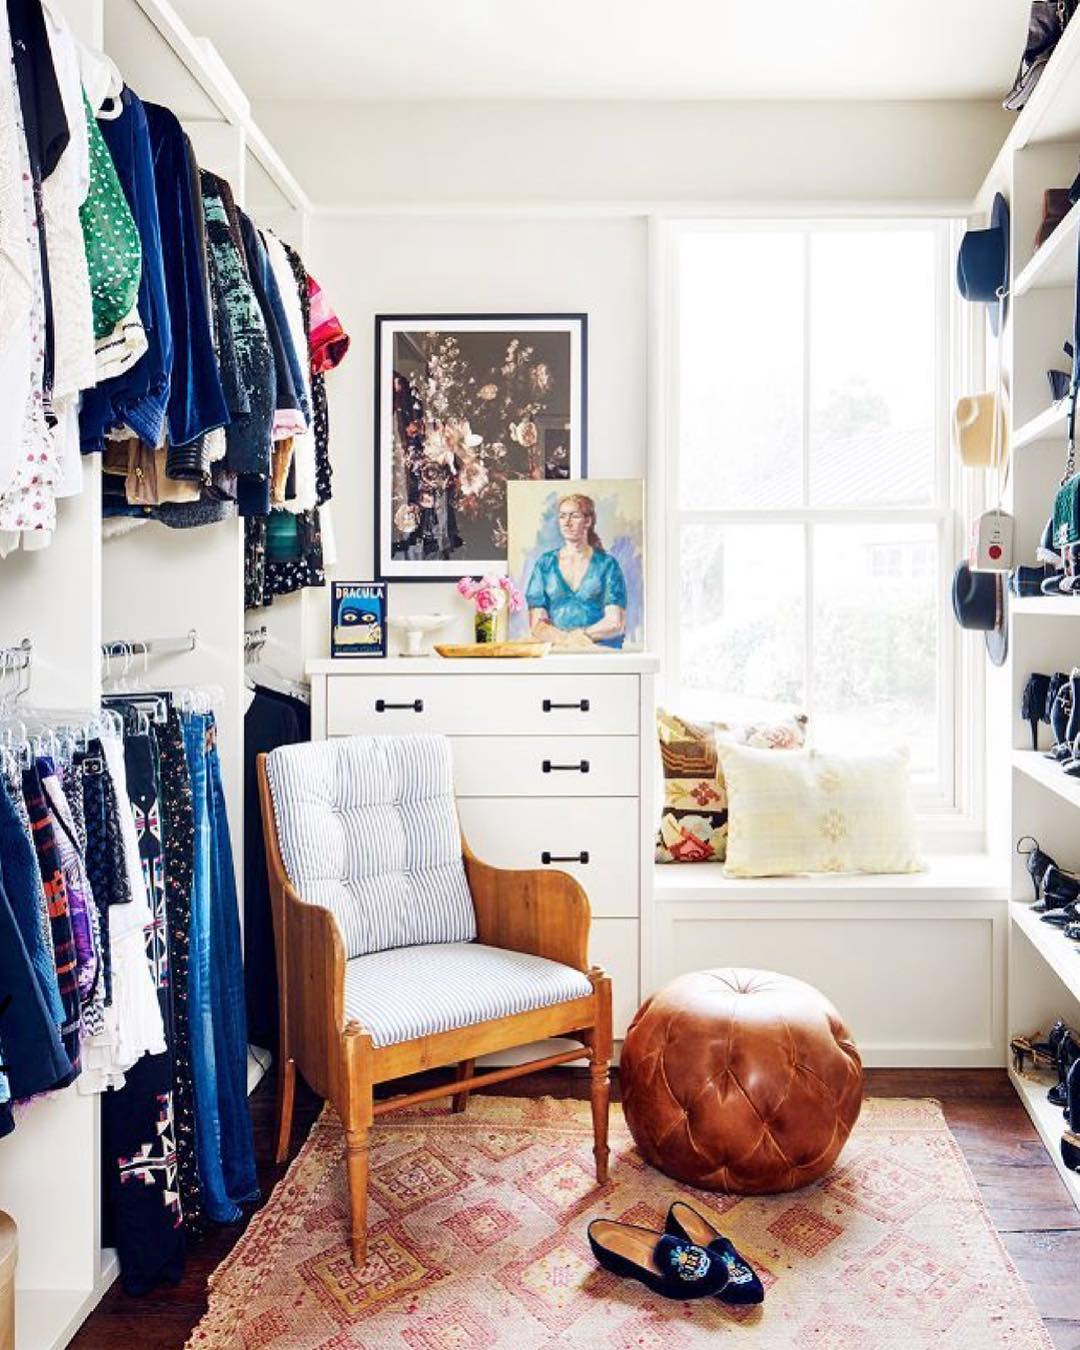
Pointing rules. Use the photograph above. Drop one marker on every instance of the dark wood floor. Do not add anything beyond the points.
(1024, 1194)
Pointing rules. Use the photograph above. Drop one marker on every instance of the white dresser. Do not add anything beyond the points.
(552, 767)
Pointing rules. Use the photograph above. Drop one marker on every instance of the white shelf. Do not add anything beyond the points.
(47, 1319)
(1052, 112)
(1054, 264)
(947, 876)
(1049, 423)
(1049, 1120)
(1047, 606)
(1056, 950)
(1034, 764)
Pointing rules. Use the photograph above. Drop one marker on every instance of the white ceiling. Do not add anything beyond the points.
(615, 49)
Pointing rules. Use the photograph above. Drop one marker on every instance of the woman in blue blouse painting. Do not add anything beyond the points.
(577, 593)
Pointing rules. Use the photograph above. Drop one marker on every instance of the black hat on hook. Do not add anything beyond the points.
(982, 265)
(980, 602)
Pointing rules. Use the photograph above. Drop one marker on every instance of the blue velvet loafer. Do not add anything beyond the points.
(670, 1266)
(743, 1286)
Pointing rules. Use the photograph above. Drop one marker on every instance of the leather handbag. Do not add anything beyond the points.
(1045, 26)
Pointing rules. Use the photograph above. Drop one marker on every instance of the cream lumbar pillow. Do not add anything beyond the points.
(811, 811)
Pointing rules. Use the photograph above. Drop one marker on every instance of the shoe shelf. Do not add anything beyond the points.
(1054, 264)
(1061, 955)
(1048, 773)
(1049, 1121)
(1056, 606)
(1050, 423)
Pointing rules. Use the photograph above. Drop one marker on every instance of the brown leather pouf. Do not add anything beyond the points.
(740, 1081)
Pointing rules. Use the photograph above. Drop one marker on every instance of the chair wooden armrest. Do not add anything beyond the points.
(310, 956)
(538, 911)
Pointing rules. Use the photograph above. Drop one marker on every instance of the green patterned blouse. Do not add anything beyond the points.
(110, 236)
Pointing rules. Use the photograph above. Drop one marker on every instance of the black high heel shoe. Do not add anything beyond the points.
(1060, 694)
(1072, 727)
(1066, 1045)
(1070, 1140)
(743, 1286)
(1058, 891)
(1033, 704)
(673, 1267)
(1036, 860)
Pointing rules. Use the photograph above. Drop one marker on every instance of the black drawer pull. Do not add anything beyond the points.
(547, 858)
(582, 705)
(381, 705)
(548, 767)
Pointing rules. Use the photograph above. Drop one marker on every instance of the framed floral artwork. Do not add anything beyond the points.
(464, 405)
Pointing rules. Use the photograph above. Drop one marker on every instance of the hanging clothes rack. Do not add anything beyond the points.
(15, 661)
(150, 646)
(255, 639)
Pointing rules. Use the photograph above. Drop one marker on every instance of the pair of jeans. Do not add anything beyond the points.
(215, 1197)
(227, 996)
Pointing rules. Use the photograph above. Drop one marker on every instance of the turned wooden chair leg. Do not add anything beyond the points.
(599, 1093)
(465, 1071)
(357, 1156)
(285, 1096)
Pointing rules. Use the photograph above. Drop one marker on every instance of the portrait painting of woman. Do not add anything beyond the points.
(577, 554)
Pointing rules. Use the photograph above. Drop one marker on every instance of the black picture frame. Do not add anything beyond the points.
(521, 325)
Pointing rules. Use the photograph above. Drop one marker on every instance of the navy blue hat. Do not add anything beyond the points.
(982, 265)
(979, 602)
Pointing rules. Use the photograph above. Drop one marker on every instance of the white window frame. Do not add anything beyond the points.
(952, 813)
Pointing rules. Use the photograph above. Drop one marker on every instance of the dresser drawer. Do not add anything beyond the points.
(521, 832)
(482, 705)
(545, 766)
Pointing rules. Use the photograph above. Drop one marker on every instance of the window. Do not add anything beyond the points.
(810, 532)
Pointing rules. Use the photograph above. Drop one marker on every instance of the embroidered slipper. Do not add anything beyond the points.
(743, 1286)
(670, 1266)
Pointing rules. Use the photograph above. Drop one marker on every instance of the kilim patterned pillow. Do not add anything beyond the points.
(693, 826)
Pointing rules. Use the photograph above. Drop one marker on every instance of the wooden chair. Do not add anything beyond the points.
(539, 913)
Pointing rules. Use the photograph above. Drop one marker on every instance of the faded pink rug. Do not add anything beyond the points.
(478, 1240)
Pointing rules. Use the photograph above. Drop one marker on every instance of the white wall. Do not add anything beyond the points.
(558, 152)
(529, 206)
(379, 265)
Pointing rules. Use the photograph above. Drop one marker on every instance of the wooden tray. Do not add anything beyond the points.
(492, 649)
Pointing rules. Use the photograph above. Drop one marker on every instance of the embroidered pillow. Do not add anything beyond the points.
(693, 826)
(818, 812)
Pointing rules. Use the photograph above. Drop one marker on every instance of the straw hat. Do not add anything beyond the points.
(973, 430)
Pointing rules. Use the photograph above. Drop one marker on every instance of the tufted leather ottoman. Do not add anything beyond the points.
(740, 1081)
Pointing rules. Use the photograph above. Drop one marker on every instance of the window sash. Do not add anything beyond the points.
(957, 692)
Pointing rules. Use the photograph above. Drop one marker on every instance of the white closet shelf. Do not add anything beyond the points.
(1052, 112)
(209, 74)
(1047, 606)
(51, 1317)
(1054, 264)
(1050, 422)
(1056, 950)
(1047, 772)
(1049, 1121)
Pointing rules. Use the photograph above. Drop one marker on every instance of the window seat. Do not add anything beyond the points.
(914, 962)
(948, 876)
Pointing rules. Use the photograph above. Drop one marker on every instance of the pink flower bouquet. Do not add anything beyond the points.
(494, 598)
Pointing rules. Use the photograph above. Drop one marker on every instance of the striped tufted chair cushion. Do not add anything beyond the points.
(368, 828)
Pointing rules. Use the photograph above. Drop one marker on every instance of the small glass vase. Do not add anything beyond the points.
(491, 627)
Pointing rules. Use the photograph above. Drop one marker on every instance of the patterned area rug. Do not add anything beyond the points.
(478, 1240)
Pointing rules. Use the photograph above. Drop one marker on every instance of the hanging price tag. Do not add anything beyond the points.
(992, 542)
